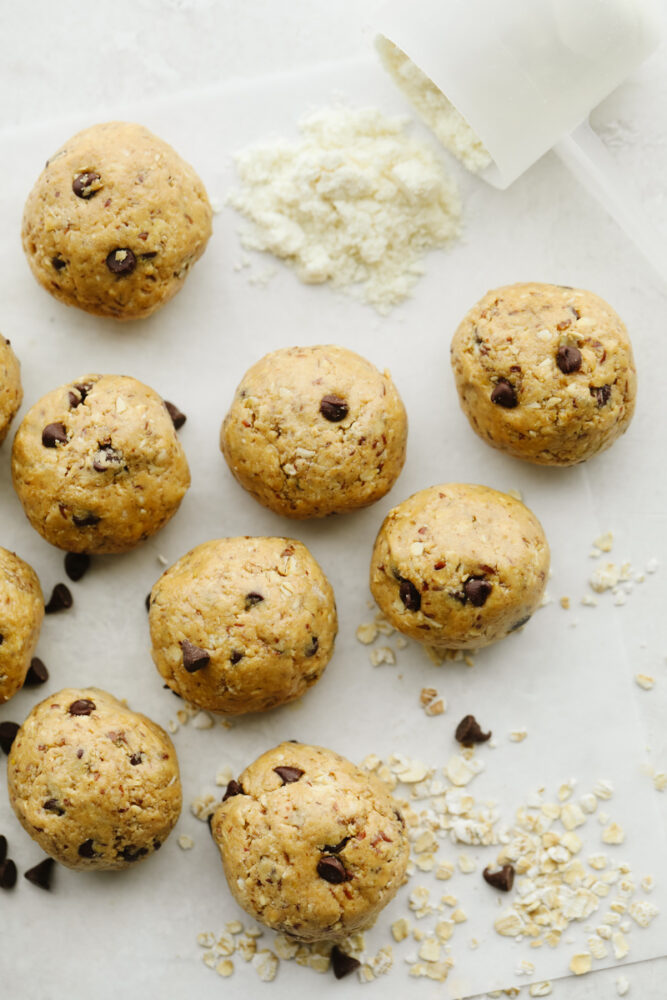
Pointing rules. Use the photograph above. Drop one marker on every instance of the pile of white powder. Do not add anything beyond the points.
(356, 202)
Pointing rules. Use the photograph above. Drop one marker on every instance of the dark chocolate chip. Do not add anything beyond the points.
(235, 657)
(477, 589)
(410, 596)
(82, 706)
(602, 394)
(3, 848)
(233, 788)
(2, 639)
(8, 731)
(121, 261)
(61, 599)
(568, 359)
(147, 602)
(332, 869)
(53, 806)
(333, 408)
(54, 434)
(194, 658)
(7, 874)
(289, 774)
(520, 624)
(148, 255)
(41, 874)
(86, 850)
(37, 673)
(85, 185)
(504, 395)
(336, 848)
(85, 520)
(342, 963)
(314, 646)
(503, 879)
(252, 599)
(82, 390)
(77, 565)
(57, 263)
(177, 416)
(469, 731)
(135, 759)
(107, 458)
(131, 853)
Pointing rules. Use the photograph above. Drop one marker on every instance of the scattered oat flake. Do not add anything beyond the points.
(518, 735)
(427, 695)
(265, 964)
(382, 654)
(613, 834)
(565, 604)
(620, 945)
(467, 864)
(604, 542)
(652, 565)
(660, 781)
(645, 681)
(524, 968)
(367, 633)
(589, 601)
(541, 989)
(186, 842)
(581, 963)
(225, 968)
(436, 707)
(400, 929)
(622, 986)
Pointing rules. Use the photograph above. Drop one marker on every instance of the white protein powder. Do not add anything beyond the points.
(356, 202)
(436, 111)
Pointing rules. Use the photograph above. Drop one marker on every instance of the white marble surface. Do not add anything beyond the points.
(60, 61)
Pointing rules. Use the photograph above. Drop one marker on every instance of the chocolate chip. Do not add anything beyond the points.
(194, 658)
(520, 623)
(469, 731)
(336, 848)
(410, 596)
(82, 706)
(82, 390)
(85, 520)
(77, 565)
(135, 759)
(568, 359)
(53, 806)
(342, 963)
(8, 731)
(86, 850)
(3, 848)
(233, 788)
(54, 434)
(37, 673)
(7, 874)
(602, 394)
(41, 874)
(332, 869)
(504, 395)
(289, 774)
(61, 599)
(503, 879)
(131, 853)
(57, 263)
(178, 418)
(314, 646)
(235, 657)
(107, 458)
(148, 255)
(147, 602)
(333, 408)
(2, 639)
(121, 261)
(477, 589)
(85, 185)
(252, 599)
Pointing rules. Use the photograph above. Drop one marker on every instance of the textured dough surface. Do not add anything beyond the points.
(261, 608)
(95, 791)
(560, 418)
(11, 393)
(292, 459)
(119, 425)
(273, 836)
(21, 614)
(432, 545)
(146, 199)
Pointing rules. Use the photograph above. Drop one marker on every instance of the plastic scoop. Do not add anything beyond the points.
(525, 75)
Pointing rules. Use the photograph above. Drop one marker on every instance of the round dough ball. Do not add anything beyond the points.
(115, 221)
(459, 566)
(95, 784)
(315, 431)
(21, 613)
(243, 624)
(97, 464)
(310, 844)
(545, 372)
(11, 393)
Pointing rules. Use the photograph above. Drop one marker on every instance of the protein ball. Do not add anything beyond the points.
(97, 464)
(459, 566)
(310, 844)
(315, 431)
(95, 784)
(21, 614)
(11, 393)
(243, 624)
(545, 372)
(115, 221)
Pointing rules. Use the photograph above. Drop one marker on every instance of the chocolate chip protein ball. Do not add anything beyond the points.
(315, 431)
(97, 464)
(21, 614)
(243, 624)
(310, 844)
(115, 221)
(11, 393)
(545, 372)
(95, 784)
(458, 566)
